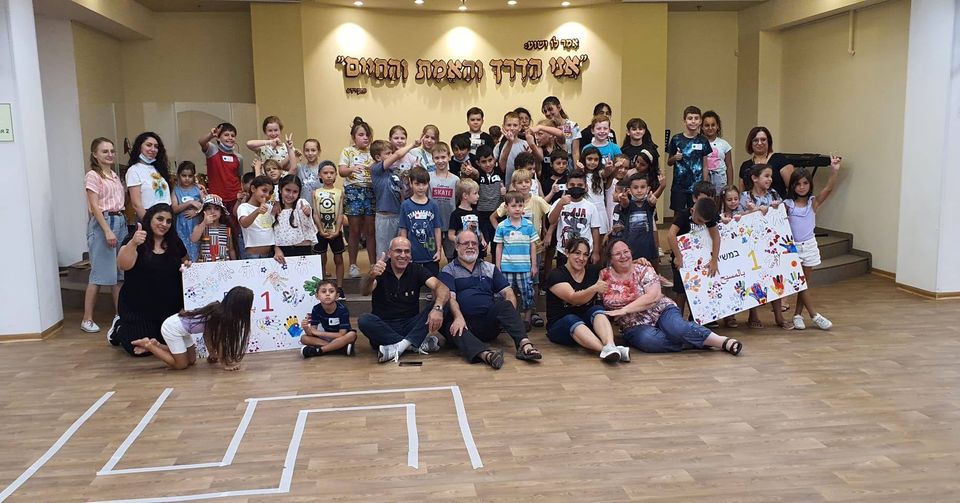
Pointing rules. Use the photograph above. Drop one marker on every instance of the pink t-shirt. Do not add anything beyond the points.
(622, 292)
(110, 192)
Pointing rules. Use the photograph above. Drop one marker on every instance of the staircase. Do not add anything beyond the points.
(839, 261)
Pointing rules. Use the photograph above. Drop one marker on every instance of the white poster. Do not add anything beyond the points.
(281, 295)
(758, 263)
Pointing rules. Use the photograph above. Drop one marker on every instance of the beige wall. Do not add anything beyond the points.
(851, 104)
(99, 83)
(702, 70)
(204, 57)
(606, 35)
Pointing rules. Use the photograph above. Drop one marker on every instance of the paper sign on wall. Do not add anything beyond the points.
(758, 263)
(282, 295)
(6, 122)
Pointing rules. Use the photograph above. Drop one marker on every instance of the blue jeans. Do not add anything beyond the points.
(561, 331)
(382, 332)
(671, 334)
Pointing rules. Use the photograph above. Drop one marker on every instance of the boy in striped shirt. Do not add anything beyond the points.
(517, 253)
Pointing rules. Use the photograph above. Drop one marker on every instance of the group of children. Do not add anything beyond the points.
(525, 188)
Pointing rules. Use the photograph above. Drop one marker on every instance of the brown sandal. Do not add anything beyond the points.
(530, 355)
(492, 358)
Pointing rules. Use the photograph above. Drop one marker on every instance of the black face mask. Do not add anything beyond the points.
(577, 192)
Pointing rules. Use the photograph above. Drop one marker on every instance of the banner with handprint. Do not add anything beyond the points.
(282, 295)
(758, 263)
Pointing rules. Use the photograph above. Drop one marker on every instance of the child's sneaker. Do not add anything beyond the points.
(310, 351)
(348, 350)
(798, 323)
(89, 326)
(821, 322)
(354, 271)
(113, 327)
(340, 295)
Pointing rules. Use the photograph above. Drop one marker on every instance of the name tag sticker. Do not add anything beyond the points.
(227, 158)
(698, 147)
(333, 322)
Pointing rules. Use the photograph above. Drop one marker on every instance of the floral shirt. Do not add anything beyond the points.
(621, 292)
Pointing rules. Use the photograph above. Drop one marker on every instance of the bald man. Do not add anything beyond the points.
(397, 323)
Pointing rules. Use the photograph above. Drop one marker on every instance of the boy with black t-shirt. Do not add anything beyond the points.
(327, 330)
(702, 213)
(462, 163)
(686, 153)
(475, 135)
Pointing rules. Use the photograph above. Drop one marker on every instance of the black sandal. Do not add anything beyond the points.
(735, 346)
(533, 354)
(492, 358)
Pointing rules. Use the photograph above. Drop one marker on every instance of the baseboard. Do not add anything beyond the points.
(884, 274)
(928, 294)
(42, 336)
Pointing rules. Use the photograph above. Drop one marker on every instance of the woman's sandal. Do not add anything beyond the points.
(530, 355)
(755, 324)
(537, 320)
(732, 346)
(786, 325)
(492, 358)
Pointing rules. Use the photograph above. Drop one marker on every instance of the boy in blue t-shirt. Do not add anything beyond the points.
(420, 222)
(327, 330)
(687, 153)
(517, 253)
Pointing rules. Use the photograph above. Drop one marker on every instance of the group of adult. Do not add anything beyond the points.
(472, 302)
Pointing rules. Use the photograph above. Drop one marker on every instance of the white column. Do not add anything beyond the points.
(30, 297)
(929, 234)
(67, 150)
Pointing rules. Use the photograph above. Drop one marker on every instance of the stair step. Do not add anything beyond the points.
(840, 268)
(833, 245)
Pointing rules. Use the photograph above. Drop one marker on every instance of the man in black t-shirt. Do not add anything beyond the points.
(397, 323)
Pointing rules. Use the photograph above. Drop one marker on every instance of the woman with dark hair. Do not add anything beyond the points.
(586, 136)
(148, 174)
(760, 147)
(573, 315)
(151, 259)
(649, 321)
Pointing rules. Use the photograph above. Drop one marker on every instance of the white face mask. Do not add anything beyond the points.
(146, 160)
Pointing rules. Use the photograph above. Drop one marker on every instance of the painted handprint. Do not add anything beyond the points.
(311, 285)
(293, 326)
(778, 285)
(788, 245)
(796, 281)
(741, 289)
(684, 243)
(691, 282)
(759, 292)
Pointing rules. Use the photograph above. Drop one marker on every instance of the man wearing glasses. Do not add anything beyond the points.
(478, 315)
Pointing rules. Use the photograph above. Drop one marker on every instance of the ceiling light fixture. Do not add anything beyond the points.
(564, 4)
(358, 3)
(418, 2)
(511, 3)
(463, 6)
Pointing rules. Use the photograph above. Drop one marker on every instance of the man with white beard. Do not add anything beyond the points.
(478, 316)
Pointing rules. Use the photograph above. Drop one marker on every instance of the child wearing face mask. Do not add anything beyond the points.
(574, 216)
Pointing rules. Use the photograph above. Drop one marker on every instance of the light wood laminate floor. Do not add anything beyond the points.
(868, 411)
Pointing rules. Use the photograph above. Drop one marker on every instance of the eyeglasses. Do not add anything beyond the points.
(468, 244)
(401, 252)
(622, 253)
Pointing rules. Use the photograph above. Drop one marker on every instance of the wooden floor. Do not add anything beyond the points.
(868, 411)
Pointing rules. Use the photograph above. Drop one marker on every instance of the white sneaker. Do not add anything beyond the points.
(89, 326)
(624, 353)
(610, 354)
(354, 271)
(798, 323)
(430, 345)
(388, 353)
(821, 322)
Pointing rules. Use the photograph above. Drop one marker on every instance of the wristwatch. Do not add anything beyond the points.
(437, 307)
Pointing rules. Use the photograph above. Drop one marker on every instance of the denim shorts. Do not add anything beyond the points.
(358, 201)
(561, 331)
(103, 259)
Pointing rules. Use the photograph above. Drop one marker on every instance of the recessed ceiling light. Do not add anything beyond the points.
(511, 3)
(418, 2)
(358, 3)
(564, 4)
(463, 6)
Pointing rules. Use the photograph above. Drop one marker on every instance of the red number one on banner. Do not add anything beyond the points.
(266, 301)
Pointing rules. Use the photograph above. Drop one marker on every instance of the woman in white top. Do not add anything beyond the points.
(148, 173)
